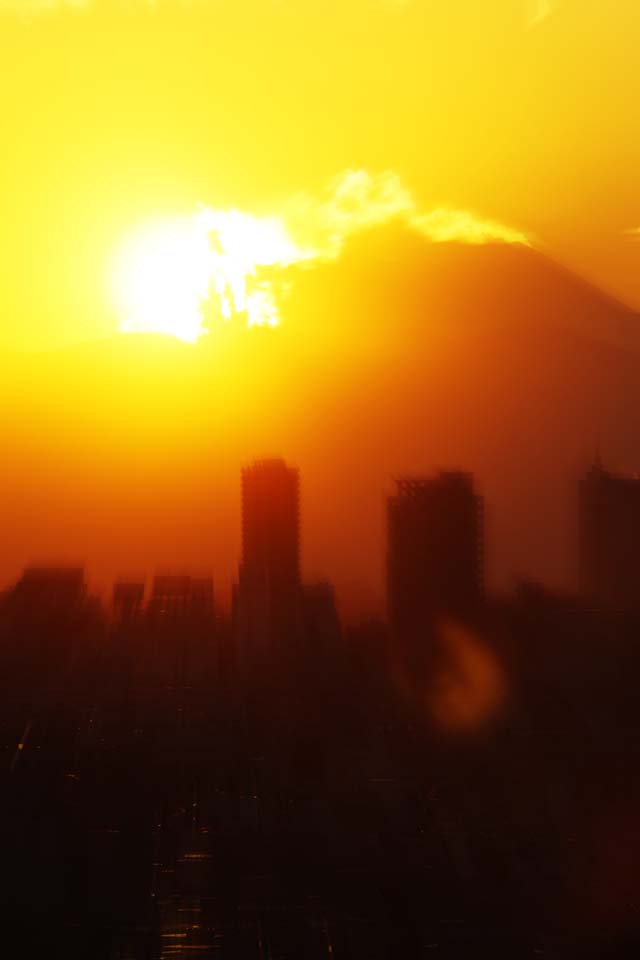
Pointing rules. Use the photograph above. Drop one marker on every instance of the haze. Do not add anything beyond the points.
(521, 115)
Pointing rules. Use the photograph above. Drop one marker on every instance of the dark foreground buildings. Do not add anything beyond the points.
(267, 600)
(435, 550)
(174, 784)
(610, 539)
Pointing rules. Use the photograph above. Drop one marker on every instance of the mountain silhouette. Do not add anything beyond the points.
(400, 356)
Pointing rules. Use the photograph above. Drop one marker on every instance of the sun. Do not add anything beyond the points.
(162, 279)
(169, 270)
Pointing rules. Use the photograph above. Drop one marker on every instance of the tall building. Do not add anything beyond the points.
(609, 521)
(180, 622)
(127, 600)
(170, 598)
(271, 521)
(267, 596)
(321, 621)
(435, 552)
(51, 591)
(49, 622)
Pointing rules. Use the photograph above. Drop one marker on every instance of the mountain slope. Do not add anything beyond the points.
(401, 356)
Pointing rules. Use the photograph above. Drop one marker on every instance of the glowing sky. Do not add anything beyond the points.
(119, 113)
(181, 276)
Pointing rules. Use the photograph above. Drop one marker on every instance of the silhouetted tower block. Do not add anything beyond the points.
(202, 597)
(49, 622)
(267, 598)
(270, 522)
(321, 620)
(609, 518)
(128, 597)
(435, 553)
(181, 629)
(170, 597)
(50, 592)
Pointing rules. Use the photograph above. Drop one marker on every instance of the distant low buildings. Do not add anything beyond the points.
(128, 600)
(609, 527)
(49, 625)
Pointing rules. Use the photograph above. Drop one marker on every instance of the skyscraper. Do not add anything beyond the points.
(270, 521)
(181, 627)
(609, 518)
(128, 597)
(49, 623)
(435, 551)
(267, 598)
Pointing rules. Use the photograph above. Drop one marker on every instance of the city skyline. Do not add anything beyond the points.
(320, 479)
(139, 472)
(272, 523)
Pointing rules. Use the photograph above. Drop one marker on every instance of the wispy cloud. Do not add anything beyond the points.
(226, 258)
(357, 200)
(28, 7)
(539, 11)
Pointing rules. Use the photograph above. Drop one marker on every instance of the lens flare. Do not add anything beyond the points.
(470, 685)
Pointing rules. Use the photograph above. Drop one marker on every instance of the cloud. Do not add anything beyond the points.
(397, 4)
(446, 225)
(231, 260)
(357, 200)
(539, 11)
(28, 7)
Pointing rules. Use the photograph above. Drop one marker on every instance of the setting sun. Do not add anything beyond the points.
(169, 272)
(320, 496)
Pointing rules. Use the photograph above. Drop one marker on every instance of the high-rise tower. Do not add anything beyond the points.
(270, 522)
(609, 518)
(435, 552)
(268, 595)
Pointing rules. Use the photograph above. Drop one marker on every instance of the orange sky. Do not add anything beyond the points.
(115, 111)
(470, 121)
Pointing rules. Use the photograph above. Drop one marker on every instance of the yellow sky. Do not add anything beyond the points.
(508, 119)
(117, 111)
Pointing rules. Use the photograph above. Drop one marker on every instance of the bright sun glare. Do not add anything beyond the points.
(177, 276)
(168, 272)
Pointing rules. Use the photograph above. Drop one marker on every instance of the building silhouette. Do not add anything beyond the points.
(159, 803)
(267, 598)
(54, 591)
(321, 620)
(609, 521)
(271, 522)
(180, 628)
(127, 600)
(435, 552)
(50, 623)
